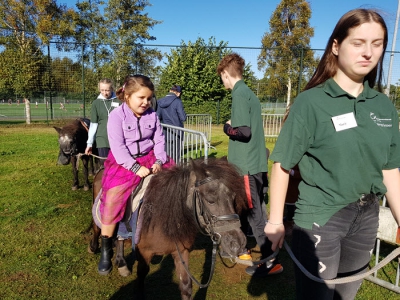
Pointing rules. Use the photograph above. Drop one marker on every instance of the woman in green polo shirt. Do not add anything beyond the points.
(344, 135)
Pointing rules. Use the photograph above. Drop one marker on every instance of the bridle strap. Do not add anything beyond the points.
(227, 227)
(84, 124)
(213, 259)
(211, 226)
(196, 213)
(210, 220)
(228, 217)
(203, 181)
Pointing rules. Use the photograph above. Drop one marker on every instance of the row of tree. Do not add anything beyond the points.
(108, 39)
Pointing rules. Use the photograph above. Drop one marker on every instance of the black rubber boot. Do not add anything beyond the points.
(105, 264)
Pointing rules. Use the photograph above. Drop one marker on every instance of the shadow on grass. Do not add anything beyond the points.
(162, 279)
(281, 286)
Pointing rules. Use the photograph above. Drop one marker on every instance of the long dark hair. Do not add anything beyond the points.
(328, 65)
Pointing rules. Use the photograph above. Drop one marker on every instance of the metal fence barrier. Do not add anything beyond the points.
(272, 124)
(387, 233)
(200, 122)
(183, 144)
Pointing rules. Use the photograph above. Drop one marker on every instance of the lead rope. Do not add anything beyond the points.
(213, 259)
(100, 157)
(79, 155)
(381, 264)
(384, 262)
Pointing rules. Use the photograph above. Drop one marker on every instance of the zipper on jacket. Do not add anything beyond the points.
(140, 135)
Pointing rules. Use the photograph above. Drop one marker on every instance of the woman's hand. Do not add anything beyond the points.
(88, 150)
(274, 229)
(276, 234)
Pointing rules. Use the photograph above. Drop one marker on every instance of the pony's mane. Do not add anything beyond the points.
(71, 128)
(165, 204)
(229, 175)
(167, 192)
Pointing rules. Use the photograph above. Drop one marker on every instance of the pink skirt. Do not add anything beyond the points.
(118, 184)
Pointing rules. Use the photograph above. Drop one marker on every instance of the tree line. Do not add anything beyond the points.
(111, 39)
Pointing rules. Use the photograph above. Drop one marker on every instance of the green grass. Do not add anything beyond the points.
(17, 112)
(44, 237)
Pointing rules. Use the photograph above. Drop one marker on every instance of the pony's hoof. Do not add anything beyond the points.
(90, 250)
(75, 187)
(124, 271)
(86, 188)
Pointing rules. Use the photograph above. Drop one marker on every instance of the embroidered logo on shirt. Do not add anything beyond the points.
(380, 122)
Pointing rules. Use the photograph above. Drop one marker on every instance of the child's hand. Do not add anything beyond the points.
(143, 172)
(88, 150)
(156, 168)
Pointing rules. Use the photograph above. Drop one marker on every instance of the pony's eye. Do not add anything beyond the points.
(210, 197)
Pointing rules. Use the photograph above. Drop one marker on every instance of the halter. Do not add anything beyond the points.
(206, 222)
(207, 225)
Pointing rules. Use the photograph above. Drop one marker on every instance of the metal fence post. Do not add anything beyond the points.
(83, 81)
(50, 85)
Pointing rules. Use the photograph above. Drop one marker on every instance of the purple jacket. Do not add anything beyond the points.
(129, 135)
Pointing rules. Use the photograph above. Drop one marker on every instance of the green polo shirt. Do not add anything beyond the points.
(250, 157)
(337, 167)
(99, 114)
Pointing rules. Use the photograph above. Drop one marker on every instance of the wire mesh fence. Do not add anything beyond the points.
(61, 80)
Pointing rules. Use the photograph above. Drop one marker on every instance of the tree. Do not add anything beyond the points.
(286, 54)
(27, 26)
(128, 29)
(113, 33)
(90, 28)
(194, 67)
(65, 75)
(394, 93)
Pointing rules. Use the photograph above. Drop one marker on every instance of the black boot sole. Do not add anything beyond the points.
(106, 272)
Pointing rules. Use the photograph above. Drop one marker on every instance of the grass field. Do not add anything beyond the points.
(41, 112)
(44, 236)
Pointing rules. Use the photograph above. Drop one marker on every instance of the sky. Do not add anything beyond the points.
(242, 23)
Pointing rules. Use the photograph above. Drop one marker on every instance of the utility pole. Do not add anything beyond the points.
(387, 92)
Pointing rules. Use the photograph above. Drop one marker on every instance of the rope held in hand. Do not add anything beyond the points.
(395, 253)
(381, 264)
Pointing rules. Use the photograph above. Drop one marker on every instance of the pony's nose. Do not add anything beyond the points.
(234, 242)
(235, 247)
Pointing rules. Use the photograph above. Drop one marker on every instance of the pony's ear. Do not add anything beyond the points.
(58, 129)
(197, 169)
(193, 164)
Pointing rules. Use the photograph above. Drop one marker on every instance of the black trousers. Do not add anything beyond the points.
(257, 216)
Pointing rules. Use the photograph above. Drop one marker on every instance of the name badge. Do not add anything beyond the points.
(345, 121)
(114, 104)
